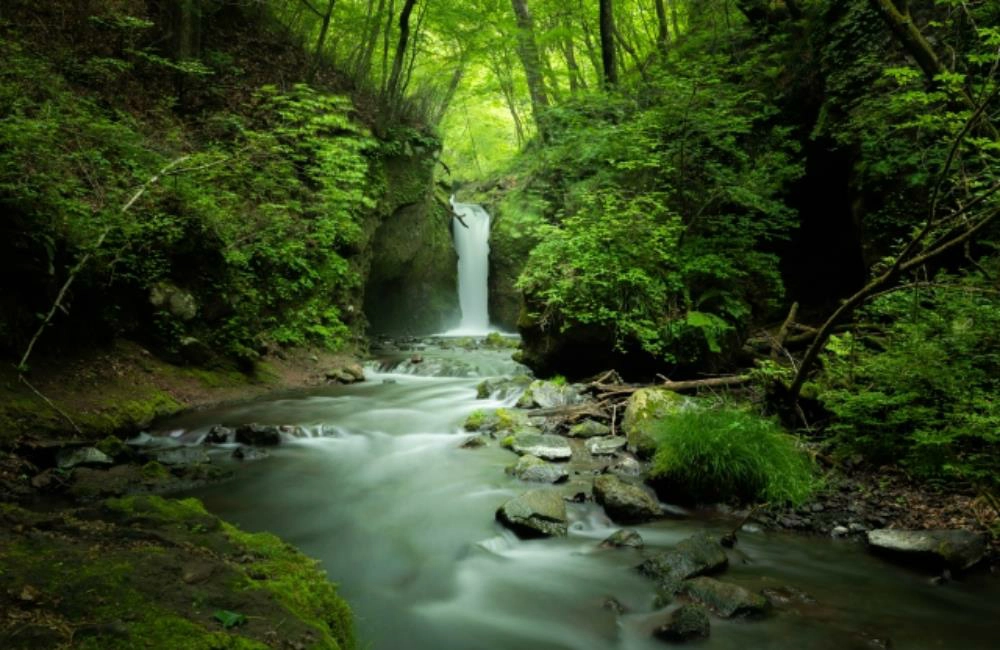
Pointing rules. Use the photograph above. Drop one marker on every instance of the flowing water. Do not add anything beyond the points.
(402, 518)
(472, 246)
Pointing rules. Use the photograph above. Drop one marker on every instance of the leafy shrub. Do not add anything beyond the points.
(718, 454)
(920, 386)
(665, 210)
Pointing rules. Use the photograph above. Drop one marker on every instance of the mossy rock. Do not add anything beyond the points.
(644, 408)
(146, 572)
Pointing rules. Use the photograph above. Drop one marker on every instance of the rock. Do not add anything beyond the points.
(786, 596)
(532, 468)
(624, 538)
(686, 623)
(49, 479)
(178, 456)
(258, 435)
(170, 298)
(626, 466)
(726, 600)
(588, 429)
(249, 454)
(606, 446)
(547, 447)
(839, 531)
(194, 351)
(70, 458)
(474, 442)
(644, 408)
(499, 421)
(416, 358)
(954, 549)
(624, 502)
(355, 370)
(696, 555)
(612, 604)
(502, 388)
(340, 376)
(538, 513)
(219, 435)
(548, 394)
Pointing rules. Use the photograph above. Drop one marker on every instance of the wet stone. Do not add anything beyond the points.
(544, 446)
(624, 502)
(686, 623)
(538, 513)
(532, 468)
(624, 538)
(725, 599)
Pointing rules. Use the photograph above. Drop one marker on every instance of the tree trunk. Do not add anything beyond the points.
(528, 51)
(663, 32)
(397, 62)
(321, 40)
(609, 64)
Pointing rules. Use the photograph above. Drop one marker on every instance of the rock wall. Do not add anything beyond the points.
(411, 276)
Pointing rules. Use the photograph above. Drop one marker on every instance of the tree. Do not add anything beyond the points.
(527, 49)
(393, 89)
(324, 29)
(609, 64)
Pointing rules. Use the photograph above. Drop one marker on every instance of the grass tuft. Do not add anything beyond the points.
(720, 454)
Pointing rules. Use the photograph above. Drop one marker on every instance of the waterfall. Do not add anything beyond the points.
(473, 247)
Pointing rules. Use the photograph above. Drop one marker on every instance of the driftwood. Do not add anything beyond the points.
(713, 382)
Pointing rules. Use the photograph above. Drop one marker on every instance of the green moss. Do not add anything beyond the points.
(112, 446)
(300, 586)
(508, 442)
(475, 421)
(120, 595)
(154, 471)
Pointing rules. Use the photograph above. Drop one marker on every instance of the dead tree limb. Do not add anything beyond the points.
(779, 342)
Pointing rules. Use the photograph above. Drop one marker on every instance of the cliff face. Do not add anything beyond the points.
(410, 263)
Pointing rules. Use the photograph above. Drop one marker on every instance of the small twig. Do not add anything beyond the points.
(50, 403)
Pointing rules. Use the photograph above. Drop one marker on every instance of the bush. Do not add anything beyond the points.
(719, 454)
(920, 386)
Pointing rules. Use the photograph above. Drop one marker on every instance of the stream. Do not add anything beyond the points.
(403, 520)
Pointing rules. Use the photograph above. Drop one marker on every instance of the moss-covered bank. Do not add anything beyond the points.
(145, 572)
(123, 387)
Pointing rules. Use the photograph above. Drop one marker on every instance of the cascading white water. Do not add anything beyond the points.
(473, 246)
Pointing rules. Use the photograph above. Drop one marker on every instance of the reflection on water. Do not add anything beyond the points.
(403, 520)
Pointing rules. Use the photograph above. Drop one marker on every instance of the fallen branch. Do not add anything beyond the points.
(777, 345)
(714, 382)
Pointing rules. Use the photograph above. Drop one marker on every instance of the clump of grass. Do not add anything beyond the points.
(721, 454)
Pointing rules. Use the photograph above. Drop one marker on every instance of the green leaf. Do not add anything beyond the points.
(229, 619)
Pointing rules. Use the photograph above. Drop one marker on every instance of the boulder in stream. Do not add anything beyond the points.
(624, 538)
(644, 408)
(694, 556)
(624, 502)
(588, 429)
(178, 456)
(606, 446)
(548, 394)
(686, 623)
(725, 599)
(533, 468)
(258, 435)
(547, 447)
(538, 513)
(219, 435)
(951, 549)
(70, 458)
